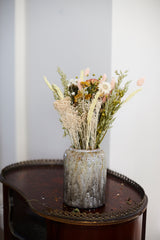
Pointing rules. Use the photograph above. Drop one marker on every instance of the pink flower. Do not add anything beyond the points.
(93, 80)
(79, 85)
(140, 81)
(113, 82)
(104, 99)
(104, 77)
(86, 72)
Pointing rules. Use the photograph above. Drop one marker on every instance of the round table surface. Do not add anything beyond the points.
(40, 183)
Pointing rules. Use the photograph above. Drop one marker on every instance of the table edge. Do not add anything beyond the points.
(92, 220)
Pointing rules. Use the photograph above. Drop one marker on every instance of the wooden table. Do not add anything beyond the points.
(34, 208)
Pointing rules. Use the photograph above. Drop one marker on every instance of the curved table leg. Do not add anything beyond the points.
(144, 225)
(7, 232)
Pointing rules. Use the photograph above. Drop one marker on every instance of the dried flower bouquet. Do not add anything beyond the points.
(88, 105)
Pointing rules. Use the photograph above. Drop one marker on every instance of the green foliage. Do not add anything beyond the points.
(64, 129)
(93, 88)
(64, 81)
(55, 93)
(110, 107)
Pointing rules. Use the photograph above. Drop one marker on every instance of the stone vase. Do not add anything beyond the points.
(84, 178)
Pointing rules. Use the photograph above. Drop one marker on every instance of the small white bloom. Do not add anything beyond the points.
(72, 81)
(73, 93)
(105, 88)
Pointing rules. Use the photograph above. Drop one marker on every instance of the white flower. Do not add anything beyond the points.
(105, 88)
(72, 81)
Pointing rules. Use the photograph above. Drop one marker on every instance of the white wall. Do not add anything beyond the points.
(7, 115)
(7, 150)
(72, 35)
(12, 81)
(135, 137)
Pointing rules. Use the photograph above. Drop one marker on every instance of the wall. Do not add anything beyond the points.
(134, 143)
(7, 151)
(7, 115)
(73, 36)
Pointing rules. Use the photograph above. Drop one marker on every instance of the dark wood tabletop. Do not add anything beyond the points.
(39, 185)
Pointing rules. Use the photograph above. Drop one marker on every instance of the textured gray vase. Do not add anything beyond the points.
(84, 178)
